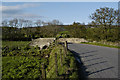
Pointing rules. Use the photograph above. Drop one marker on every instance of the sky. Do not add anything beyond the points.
(60, 0)
(66, 12)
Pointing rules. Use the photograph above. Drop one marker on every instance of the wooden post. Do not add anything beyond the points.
(65, 52)
(43, 72)
(55, 41)
(56, 66)
(61, 57)
(66, 46)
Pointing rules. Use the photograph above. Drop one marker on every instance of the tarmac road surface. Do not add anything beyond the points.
(98, 61)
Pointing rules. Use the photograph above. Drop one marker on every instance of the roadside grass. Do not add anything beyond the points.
(100, 44)
(21, 67)
(51, 67)
(14, 43)
(67, 70)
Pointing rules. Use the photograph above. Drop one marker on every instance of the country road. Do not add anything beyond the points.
(99, 62)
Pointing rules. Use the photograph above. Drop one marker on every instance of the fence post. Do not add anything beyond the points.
(43, 71)
(66, 47)
(61, 57)
(56, 66)
(56, 42)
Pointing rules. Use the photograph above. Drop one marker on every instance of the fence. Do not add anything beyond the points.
(57, 58)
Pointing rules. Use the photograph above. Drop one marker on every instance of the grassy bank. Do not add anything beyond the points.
(14, 43)
(100, 44)
(67, 68)
(22, 61)
(21, 67)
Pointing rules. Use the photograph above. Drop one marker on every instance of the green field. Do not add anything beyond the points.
(22, 61)
(14, 43)
(14, 66)
(21, 67)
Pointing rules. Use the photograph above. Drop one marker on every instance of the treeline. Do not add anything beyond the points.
(20, 23)
(103, 27)
(29, 33)
(77, 31)
(95, 33)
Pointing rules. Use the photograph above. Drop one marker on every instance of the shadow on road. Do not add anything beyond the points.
(88, 52)
(96, 63)
(93, 59)
(82, 68)
(88, 56)
(100, 70)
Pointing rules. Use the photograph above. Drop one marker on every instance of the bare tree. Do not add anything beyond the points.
(15, 22)
(38, 22)
(56, 22)
(11, 23)
(5, 23)
(27, 23)
(44, 23)
(117, 18)
(21, 23)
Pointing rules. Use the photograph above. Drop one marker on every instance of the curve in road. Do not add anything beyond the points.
(99, 62)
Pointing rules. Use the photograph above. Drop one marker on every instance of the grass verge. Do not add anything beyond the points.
(29, 65)
(21, 67)
(14, 43)
(68, 69)
(100, 44)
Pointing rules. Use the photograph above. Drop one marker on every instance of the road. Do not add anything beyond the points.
(99, 62)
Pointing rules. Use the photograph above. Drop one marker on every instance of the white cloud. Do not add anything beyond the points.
(16, 11)
(23, 15)
(17, 7)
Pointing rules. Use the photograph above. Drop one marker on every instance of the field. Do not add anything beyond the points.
(21, 67)
(16, 65)
(22, 61)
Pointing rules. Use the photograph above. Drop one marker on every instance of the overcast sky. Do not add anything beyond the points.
(66, 12)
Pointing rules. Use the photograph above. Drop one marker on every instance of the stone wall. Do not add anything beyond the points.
(41, 42)
(73, 40)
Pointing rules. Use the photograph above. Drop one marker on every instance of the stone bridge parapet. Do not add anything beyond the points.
(41, 42)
